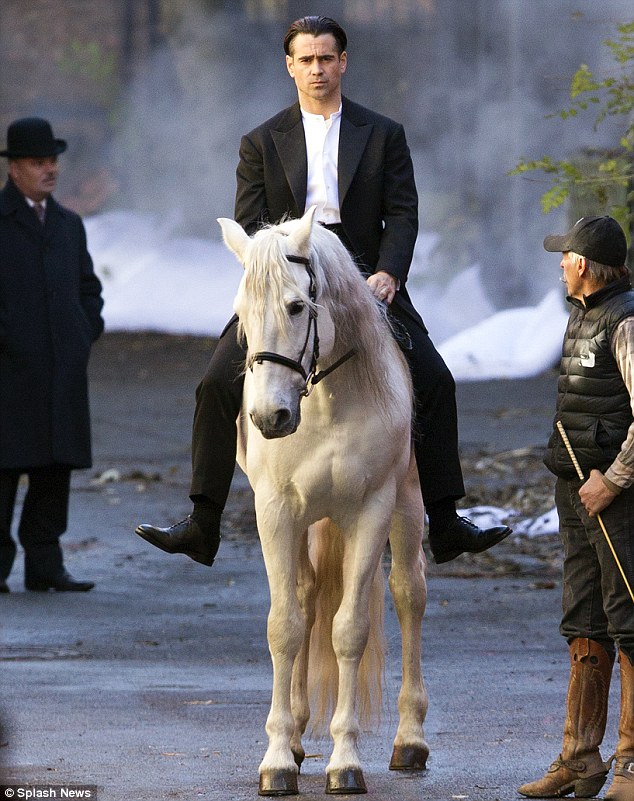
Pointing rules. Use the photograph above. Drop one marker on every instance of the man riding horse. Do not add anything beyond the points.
(355, 166)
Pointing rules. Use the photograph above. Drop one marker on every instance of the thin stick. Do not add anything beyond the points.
(573, 458)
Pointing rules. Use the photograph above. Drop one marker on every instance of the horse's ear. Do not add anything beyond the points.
(235, 237)
(299, 239)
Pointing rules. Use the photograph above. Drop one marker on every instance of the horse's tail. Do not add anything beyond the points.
(326, 553)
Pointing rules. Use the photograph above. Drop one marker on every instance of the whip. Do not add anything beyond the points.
(573, 458)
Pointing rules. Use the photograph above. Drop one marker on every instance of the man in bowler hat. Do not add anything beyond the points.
(50, 314)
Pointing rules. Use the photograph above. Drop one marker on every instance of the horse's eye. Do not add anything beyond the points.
(295, 308)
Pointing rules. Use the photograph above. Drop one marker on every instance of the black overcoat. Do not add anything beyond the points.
(50, 314)
(377, 191)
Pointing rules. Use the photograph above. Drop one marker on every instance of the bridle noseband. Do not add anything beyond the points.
(311, 377)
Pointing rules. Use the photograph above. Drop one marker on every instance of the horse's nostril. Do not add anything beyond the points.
(282, 416)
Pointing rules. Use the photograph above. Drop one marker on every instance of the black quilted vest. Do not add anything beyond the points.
(592, 401)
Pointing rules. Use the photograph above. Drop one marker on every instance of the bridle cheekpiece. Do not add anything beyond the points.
(311, 377)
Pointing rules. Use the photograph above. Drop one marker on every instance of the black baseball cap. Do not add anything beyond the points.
(599, 239)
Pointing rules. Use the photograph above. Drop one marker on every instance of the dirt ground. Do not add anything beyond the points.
(156, 685)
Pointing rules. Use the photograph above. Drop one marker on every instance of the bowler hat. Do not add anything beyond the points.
(32, 137)
(599, 239)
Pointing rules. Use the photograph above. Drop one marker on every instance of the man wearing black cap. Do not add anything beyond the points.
(50, 314)
(595, 405)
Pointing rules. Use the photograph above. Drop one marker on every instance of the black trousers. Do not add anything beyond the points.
(219, 397)
(43, 520)
(595, 601)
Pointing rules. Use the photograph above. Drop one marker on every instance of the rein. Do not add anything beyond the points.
(311, 377)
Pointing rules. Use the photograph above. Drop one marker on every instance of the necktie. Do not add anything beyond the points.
(39, 209)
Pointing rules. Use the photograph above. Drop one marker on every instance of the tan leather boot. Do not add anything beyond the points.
(579, 767)
(622, 787)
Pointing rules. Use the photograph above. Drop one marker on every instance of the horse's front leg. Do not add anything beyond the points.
(285, 632)
(351, 626)
(409, 590)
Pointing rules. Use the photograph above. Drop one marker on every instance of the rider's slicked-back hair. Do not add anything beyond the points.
(315, 26)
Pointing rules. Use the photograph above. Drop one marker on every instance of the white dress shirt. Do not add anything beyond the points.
(322, 151)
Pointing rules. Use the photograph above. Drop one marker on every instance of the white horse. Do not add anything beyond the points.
(329, 491)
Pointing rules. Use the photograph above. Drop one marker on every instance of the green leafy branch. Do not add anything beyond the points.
(605, 178)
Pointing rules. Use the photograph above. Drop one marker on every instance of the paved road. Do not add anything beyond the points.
(156, 685)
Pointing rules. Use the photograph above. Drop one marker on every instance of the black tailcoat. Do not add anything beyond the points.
(377, 192)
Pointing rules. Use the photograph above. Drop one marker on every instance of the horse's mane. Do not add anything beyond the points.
(360, 321)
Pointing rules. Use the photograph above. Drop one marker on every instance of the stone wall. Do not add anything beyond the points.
(67, 60)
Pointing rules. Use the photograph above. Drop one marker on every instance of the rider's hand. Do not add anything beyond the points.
(383, 286)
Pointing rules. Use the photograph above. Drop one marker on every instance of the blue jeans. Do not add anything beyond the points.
(596, 602)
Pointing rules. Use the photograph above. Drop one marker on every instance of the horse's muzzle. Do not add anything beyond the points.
(277, 424)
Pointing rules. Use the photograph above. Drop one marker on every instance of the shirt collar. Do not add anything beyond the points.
(607, 291)
(32, 203)
(306, 115)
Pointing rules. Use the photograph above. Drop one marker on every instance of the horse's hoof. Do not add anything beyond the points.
(409, 757)
(343, 782)
(299, 756)
(278, 782)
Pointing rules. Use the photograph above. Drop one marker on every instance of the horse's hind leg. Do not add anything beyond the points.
(299, 685)
(409, 590)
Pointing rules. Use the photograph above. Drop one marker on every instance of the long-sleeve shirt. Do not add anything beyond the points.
(620, 474)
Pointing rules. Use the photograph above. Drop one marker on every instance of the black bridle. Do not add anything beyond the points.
(311, 377)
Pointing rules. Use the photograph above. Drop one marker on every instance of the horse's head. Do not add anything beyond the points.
(286, 327)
